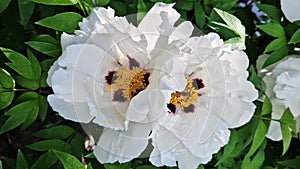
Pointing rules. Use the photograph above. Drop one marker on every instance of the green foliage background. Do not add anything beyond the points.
(33, 136)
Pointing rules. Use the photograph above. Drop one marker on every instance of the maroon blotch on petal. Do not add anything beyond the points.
(110, 78)
(198, 83)
(189, 109)
(132, 62)
(118, 96)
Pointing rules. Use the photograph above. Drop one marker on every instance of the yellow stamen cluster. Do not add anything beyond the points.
(185, 98)
(130, 81)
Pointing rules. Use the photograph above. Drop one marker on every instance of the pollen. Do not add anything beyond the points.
(186, 97)
(129, 81)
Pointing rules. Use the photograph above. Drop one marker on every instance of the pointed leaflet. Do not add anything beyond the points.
(45, 44)
(65, 22)
(26, 8)
(55, 132)
(45, 145)
(21, 161)
(295, 38)
(258, 138)
(68, 161)
(20, 64)
(288, 126)
(25, 112)
(233, 24)
(7, 85)
(45, 161)
(57, 2)
(4, 4)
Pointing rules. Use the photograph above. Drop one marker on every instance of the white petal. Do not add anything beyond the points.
(152, 30)
(87, 59)
(182, 32)
(122, 146)
(107, 113)
(68, 85)
(77, 111)
(290, 8)
(51, 71)
(148, 105)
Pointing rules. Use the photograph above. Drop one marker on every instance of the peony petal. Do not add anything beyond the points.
(107, 113)
(152, 31)
(51, 71)
(122, 146)
(182, 32)
(77, 111)
(290, 8)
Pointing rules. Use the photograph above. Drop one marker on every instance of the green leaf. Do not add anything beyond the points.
(45, 44)
(27, 83)
(77, 145)
(45, 161)
(272, 11)
(26, 8)
(40, 99)
(273, 29)
(295, 38)
(276, 56)
(117, 165)
(20, 64)
(7, 84)
(1, 167)
(21, 161)
(56, 2)
(233, 24)
(45, 145)
(199, 15)
(288, 119)
(229, 147)
(266, 107)
(254, 78)
(276, 44)
(4, 4)
(56, 132)
(89, 166)
(102, 2)
(291, 163)
(119, 6)
(34, 63)
(21, 113)
(259, 137)
(147, 167)
(286, 137)
(65, 22)
(43, 107)
(185, 5)
(142, 9)
(287, 125)
(256, 162)
(68, 161)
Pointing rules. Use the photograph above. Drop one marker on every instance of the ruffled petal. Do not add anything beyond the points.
(75, 111)
(154, 16)
(107, 113)
(290, 8)
(122, 146)
(51, 71)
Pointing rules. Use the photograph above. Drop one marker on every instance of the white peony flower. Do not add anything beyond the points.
(282, 83)
(290, 9)
(217, 97)
(120, 76)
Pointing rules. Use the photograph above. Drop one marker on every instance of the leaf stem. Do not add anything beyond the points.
(265, 118)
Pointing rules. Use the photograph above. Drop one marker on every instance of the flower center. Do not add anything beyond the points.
(187, 97)
(126, 83)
